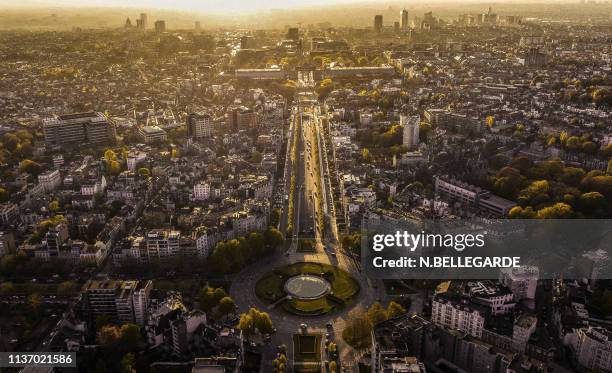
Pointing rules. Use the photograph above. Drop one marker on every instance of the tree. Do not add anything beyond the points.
(395, 309)
(376, 314)
(114, 167)
(592, 201)
(226, 306)
(572, 143)
(273, 237)
(7, 288)
(108, 335)
(255, 320)
(34, 301)
(333, 367)
(130, 338)
(54, 205)
(517, 212)
(30, 167)
(210, 297)
(508, 182)
(67, 289)
(536, 193)
(246, 324)
(559, 210)
(365, 155)
(143, 171)
(324, 88)
(4, 195)
(127, 363)
(572, 176)
(357, 332)
(490, 121)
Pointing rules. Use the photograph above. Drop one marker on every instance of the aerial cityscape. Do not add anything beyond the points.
(183, 191)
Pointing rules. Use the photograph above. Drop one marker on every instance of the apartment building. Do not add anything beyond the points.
(121, 301)
(474, 196)
(163, 243)
(199, 125)
(78, 129)
(50, 180)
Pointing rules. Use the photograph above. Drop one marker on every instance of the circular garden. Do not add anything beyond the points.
(307, 289)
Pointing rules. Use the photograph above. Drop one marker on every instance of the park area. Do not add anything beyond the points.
(307, 288)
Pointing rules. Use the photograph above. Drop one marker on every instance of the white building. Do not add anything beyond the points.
(522, 281)
(141, 302)
(473, 195)
(163, 243)
(456, 314)
(410, 126)
(205, 241)
(8, 212)
(522, 330)
(50, 180)
(134, 159)
(592, 347)
(201, 191)
(199, 125)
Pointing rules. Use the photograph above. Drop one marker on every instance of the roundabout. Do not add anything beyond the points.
(307, 289)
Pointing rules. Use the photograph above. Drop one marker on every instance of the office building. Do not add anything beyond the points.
(160, 26)
(410, 125)
(535, 58)
(152, 134)
(378, 23)
(473, 196)
(199, 125)
(143, 21)
(404, 20)
(78, 129)
(241, 117)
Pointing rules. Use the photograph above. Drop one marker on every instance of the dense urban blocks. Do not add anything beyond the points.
(307, 288)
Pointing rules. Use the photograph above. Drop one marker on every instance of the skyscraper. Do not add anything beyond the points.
(378, 22)
(143, 21)
(404, 19)
(160, 26)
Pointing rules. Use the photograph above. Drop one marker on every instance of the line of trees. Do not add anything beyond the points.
(232, 256)
(550, 190)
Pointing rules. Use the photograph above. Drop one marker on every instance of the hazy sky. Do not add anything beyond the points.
(213, 6)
